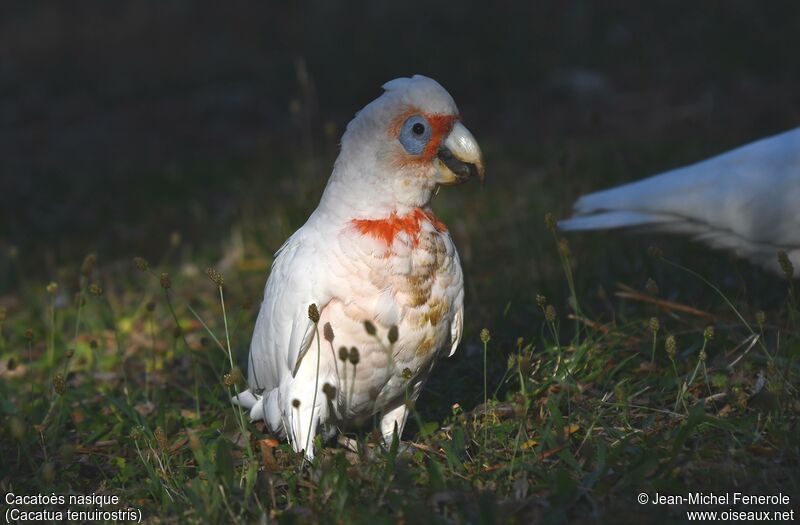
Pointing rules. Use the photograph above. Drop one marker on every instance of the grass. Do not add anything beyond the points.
(135, 402)
(571, 393)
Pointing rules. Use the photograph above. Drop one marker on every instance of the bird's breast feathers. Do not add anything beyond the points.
(408, 271)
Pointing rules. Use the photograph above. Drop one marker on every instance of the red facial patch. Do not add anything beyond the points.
(440, 127)
(387, 229)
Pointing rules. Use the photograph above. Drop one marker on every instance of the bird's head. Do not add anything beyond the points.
(402, 146)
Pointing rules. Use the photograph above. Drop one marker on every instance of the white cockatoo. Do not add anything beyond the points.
(372, 258)
(746, 200)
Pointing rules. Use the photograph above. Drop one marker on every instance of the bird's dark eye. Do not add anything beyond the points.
(415, 134)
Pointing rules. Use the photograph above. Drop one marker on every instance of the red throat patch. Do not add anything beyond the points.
(387, 229)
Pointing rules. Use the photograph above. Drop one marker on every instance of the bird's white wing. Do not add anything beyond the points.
(456, 293)
(745, 196)
(283, 331)
(456, 329)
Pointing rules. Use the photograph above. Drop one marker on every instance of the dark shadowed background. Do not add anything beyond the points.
(121, 122)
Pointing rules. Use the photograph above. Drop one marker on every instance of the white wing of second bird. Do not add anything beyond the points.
(746, 200)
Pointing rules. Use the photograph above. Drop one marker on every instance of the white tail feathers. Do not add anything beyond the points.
(262, 408)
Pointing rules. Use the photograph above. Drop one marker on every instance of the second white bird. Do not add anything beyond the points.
(746, 200)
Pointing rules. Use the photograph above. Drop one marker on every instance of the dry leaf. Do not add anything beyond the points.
(266, 446)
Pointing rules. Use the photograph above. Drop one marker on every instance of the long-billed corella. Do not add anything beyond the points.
(365, 296)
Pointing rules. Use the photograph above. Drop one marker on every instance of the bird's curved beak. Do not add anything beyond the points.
(459, 157)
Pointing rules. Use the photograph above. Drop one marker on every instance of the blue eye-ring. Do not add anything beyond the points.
(415, 134)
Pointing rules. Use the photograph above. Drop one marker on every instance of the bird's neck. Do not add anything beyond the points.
(348, 198)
